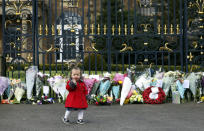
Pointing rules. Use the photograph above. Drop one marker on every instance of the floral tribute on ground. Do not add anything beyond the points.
(148, 86)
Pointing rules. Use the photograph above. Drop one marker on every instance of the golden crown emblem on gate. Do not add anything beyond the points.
(72, 3)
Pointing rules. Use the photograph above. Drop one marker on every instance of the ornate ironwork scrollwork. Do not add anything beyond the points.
(165, 47)
(29, 58)
(126, 48)
(51, 49)
(145, 27)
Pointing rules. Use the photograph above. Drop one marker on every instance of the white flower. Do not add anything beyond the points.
(40, 74)
(93, 95)
(107, 75)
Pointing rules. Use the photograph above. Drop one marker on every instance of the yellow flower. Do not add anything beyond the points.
(139, 99)
(154, 79)
(120, 82)
(110, 98)
(135, 92)
(202, 98)
(126, 101)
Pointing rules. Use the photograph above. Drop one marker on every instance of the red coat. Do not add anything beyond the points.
(77, 98)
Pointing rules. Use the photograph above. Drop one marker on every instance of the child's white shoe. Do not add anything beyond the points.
(80, 121)
(65, 121)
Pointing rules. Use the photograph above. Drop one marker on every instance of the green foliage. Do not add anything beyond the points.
(94, 62)
(115, 11)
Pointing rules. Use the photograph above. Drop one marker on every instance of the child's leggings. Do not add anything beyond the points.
(80, 114)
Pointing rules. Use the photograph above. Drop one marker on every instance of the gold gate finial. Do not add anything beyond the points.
(113, 30)
(159, 29)
(46, 30)
(104, 29)
(98, 29)
(132, 29)
(92, 29)
(177, 28)
(119, 29)
(165, 29)
(171, 29)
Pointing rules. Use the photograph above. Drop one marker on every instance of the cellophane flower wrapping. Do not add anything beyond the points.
(143, 82)
(4, 82)
(30, 80)
(89, 83)
(58, 84)
(41, 80)
(46, 90)
(7, 91)
(193, 79)
(126, 87)
(19, 92)
(159, 75)
(15, 83)
(176, 97)
(167, 83)
(39, 85)
(116, 91)
(95, 88)
(131, 91)
(104, 86)
(180, 88)
(61, 86)
(53, 81)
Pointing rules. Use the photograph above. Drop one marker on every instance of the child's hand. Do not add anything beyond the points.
(72, 84)
(74, 81)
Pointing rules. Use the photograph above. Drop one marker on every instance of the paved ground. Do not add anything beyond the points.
(137, 117)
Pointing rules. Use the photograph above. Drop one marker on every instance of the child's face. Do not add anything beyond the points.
(75, 74)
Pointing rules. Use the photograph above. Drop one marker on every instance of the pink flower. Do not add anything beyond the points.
(119, 77)
(89, 83)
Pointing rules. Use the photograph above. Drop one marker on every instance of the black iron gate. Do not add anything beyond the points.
(104, 35)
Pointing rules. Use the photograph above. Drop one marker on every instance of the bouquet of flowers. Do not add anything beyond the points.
(58, 84)
(4, 82)
(41, 81)
(102, 100)
(16, 89)
(117, 84)
(136, 97)
(45, 100)
(104, 86)
(89, 83)
(119, 77)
